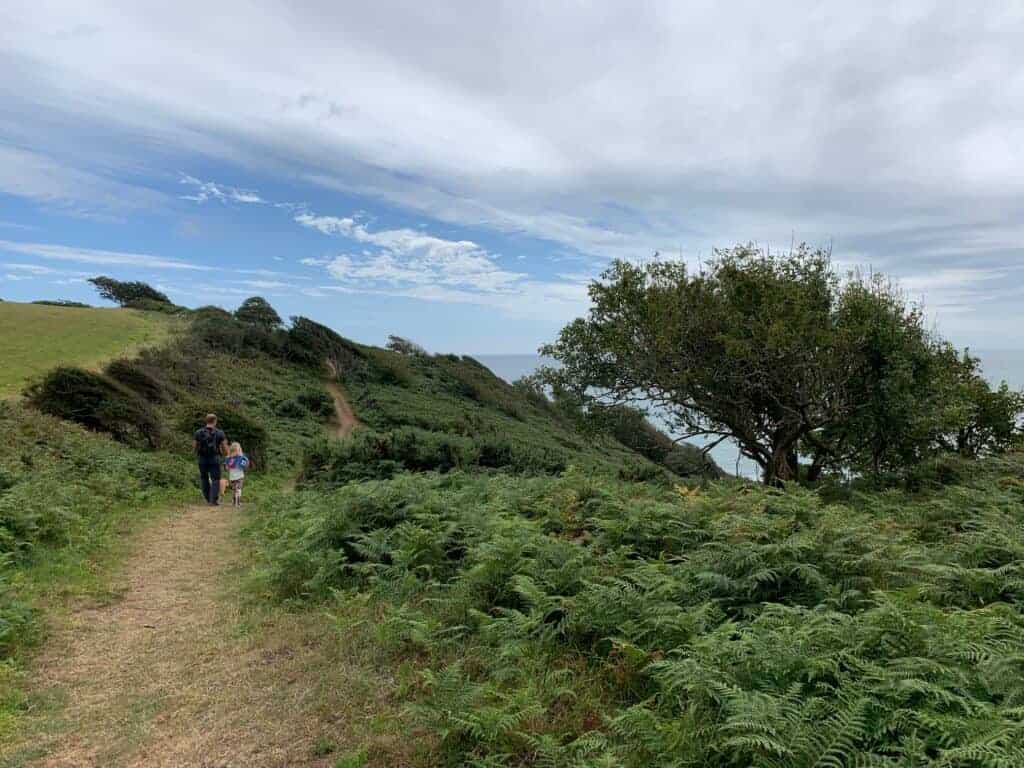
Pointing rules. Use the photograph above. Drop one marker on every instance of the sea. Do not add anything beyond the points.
(998, 365)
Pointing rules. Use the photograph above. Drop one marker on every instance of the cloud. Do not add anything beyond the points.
(606, 130)
(411, 257)
(412, 264)
(209, 190)
(37, 176)
(96, 257)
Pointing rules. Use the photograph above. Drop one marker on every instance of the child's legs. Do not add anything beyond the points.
(236, 486)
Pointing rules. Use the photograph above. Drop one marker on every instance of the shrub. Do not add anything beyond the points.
(98, 403)
(153, 305)
(257, 311)
(313, 345)
(148, 383)
(61, 303)
(317, 402)
(366, 454)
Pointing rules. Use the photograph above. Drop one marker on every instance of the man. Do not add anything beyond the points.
(210, 444)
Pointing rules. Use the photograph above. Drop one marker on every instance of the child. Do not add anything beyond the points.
(236, 463)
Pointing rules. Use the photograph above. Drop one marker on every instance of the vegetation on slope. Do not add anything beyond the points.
(583, 620)
(562, 601)
(38, 337)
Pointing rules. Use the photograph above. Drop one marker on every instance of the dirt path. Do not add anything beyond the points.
(168, 675)
(346, 417)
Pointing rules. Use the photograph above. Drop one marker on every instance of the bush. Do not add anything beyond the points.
(237, 426)
(153, 305)
(257, 311)
(366, 454)
(312, 402)
(317, 402)
(314, 345)
(62, 303)
(148, 383)
(97, 403)
(221, 332)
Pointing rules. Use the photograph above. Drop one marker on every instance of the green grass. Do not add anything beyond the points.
(36, 338)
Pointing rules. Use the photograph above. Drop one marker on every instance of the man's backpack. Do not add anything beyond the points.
(206, 443)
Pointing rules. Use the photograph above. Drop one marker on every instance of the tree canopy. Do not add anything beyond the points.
(778, 354)
(127, 293)
(257, 311)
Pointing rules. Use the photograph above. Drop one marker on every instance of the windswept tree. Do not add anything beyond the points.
(257, 311)
(127, 293)
(405, 346)
(771, 351)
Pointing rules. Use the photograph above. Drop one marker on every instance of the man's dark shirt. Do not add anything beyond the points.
(218, 438)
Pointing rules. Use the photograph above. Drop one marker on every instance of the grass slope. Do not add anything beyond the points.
(35, 338)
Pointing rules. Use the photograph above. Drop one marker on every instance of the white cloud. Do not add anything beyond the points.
(95, 256)
(209, 190)
(411, 257)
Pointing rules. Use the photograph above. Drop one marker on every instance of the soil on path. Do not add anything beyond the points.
(346, 418)
(344, 415)
(167, 675)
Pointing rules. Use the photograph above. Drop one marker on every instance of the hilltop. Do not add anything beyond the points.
(36, 337)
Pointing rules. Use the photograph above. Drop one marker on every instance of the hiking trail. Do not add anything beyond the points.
(165, 674)
(345, 416)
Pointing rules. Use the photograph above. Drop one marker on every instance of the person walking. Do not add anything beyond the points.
(210, 444)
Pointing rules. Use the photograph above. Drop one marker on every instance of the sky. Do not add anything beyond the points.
(456, 172)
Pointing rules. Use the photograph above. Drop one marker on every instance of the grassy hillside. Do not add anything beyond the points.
(37, 337)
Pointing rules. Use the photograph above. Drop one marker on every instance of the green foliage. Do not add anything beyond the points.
(775, 352)
(314, 345)
(367, 454)
(582, 620)
(310, 402)
(98, 403)
(257, 311)
(404, 346)
(61, 303)
(145, 381)
(126, 293)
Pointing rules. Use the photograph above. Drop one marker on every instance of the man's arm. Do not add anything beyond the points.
(195, 446)
(224, 447)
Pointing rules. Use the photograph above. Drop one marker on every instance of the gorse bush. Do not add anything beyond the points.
(98, 403)
(146, 381)
(582, 620)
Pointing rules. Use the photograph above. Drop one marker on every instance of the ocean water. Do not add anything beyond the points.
(998, 365)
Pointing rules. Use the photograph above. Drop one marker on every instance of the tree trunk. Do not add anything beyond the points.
(780, 469)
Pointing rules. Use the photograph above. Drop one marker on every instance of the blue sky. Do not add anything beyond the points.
(456, 172)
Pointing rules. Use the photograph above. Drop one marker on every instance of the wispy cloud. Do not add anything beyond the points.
(209, 190)
(96, 257)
